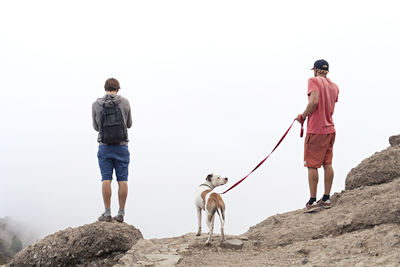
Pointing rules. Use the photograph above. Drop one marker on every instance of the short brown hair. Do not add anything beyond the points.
(111, 84)
(322, 72)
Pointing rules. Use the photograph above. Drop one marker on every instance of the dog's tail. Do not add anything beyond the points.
(211, 213)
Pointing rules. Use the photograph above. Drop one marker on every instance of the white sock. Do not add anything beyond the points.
(121, 212)
(107, 212)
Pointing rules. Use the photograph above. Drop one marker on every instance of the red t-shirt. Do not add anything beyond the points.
(320, 121)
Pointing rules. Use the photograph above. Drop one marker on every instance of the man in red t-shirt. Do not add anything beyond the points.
(318, 145)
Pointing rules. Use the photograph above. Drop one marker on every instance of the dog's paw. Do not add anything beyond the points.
(208, 243)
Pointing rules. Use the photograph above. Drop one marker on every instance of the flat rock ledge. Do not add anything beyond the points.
(233, 244)
(148, 253)
(171, 251)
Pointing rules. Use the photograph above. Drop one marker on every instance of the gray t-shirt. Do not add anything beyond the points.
(123, 105)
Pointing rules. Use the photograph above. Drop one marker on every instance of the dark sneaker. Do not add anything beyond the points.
(324, 204)
(313, 207)
(104, 218)
(119, 218)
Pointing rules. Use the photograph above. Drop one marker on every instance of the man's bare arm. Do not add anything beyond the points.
(312, 104)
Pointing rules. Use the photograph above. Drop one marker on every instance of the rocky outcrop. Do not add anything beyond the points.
(382, 167)
(353, 210)
(376, 246)
(394, 140)
(362, 227)
(96, 244)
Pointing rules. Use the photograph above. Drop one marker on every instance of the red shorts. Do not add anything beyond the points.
(318, 149)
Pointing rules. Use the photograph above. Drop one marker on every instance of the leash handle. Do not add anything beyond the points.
(302, 130)
(302, 126)
(259, 164)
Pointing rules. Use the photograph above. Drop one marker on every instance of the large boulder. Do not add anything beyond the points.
(96, 244)
(353, 210)
(394, 140)
(382, 167)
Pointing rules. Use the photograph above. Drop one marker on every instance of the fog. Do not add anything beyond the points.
(213, 85)
(10, 229)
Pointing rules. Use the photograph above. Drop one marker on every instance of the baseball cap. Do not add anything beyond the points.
(321, 64)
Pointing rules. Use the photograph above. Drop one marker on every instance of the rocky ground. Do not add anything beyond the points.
(361, 229)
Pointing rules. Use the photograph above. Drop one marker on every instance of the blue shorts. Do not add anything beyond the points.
(113, 157)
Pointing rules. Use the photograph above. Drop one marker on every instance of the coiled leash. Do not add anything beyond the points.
(259, 164)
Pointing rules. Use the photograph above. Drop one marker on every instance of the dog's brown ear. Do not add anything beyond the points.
(208, 178)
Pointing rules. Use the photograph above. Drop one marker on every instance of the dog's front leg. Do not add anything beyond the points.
(199, 221)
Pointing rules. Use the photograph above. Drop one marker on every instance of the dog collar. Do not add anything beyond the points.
(207, 186)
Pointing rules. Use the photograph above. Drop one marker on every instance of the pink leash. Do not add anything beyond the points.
(259, 164)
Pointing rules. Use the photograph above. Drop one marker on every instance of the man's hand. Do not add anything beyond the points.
(300, 118)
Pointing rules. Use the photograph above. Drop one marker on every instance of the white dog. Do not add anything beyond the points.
(211, 203)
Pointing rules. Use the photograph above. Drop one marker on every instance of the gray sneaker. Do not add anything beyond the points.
(104, 218)
(119, 218)
(310, 208)
(324, 204)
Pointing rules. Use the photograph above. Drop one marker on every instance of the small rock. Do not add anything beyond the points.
(304, 261)
(146, 263)
(358, 244)
(234, 244)
(173, 250)
(304, 251)
(257, 243)
(394, 140)
(275, 220)
(344, 223)
(244, 238)
(164, 259)
(394, 241)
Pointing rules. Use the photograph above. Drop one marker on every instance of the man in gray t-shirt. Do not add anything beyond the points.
(113, 156)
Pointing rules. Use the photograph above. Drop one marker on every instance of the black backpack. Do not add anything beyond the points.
(112, 126)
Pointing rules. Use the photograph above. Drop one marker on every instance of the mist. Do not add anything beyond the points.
(23, 231)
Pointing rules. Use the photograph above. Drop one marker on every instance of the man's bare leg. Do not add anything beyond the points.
(328, 178)
(313, 181)
(106, 190)
(122, 194)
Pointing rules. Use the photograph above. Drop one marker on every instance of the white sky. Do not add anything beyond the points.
(213, 85)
